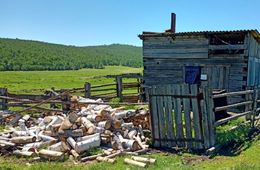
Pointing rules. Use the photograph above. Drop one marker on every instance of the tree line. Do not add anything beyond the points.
(27, 55)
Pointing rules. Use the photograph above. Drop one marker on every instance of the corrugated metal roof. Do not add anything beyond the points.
(255, 33)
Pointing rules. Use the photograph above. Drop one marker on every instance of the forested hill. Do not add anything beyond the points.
(28, 55)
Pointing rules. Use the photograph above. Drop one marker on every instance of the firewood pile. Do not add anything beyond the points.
(57, 136)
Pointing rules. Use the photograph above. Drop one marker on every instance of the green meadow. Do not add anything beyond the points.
(244, 156)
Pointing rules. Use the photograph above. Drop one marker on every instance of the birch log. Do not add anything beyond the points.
(136, 163)
(51, 155)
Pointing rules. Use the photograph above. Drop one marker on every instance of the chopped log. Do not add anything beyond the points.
(88, 125)
(73, 133)
(124, 114)
(86, 144)
(128, 143)
(139, 141)
(24, 153)
(136, 163)
(143, 159)
(57, 147)
(94, 118)
(90, 158)
(40, 144)
(127, 126)
(51, 155)
(19, 133)
(114, 154)
(75, 154)
(66, 124)
(105, 124)
(141, 132)
(72, 117)
(45, 137)
(79, 139)
(6, 143)
(72, 142)
(23, 139)
(104, 159)
(132, 133)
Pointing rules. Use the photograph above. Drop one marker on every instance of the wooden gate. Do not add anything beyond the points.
(180, 117)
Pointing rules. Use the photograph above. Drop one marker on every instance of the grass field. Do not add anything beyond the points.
(20, 82)
(31, 81)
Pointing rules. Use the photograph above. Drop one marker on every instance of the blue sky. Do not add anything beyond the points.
(97, 22)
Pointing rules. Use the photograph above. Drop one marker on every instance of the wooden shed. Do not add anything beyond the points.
(227, 60)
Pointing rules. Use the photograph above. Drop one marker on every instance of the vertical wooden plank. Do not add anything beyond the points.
(205, 120)
(196, 117)
(187, 114)
(178, 117)
(227, 78)
(87, 88)
(154, 116)
(169, 117)
(221, 78)
(211, 116)
(3, 102)
(160, 111)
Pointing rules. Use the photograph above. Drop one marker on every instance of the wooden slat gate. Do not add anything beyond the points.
(181, 117)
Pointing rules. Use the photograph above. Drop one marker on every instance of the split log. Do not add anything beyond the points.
(141, 132)
(105, 124)
(45, 137)
(75, 154)
(132, 133)
(72, 142)
(73, 133)
(88, 137)
(6, 143)
(24, 153)
(94, 118)
(51, 155)
(72, 117)
(124, 114)
(90, 158)
(104, 159)
(23, 139)
(88, 125)
(57, 147)
(143, 159)
(128, 143)
(127, 126)
(136, 163)
(139, 141)
(114, 154)
(66, 124)
(86, 144)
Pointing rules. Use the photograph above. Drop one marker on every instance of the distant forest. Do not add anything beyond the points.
(26, 55)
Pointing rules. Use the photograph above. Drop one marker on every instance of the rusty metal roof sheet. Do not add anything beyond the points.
(255, 33)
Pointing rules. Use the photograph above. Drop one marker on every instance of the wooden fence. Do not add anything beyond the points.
(184, 115)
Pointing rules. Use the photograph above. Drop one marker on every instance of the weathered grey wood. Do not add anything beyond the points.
(211, 115)
(87, 87)
(228, 47)
(3, 102)
(161, 116)
(219, 122)
(169, 117)
(233, 105)
(196, 117)
(187, 114)
(154, 117)
(233, 93)
(254, 107)
(119, 87)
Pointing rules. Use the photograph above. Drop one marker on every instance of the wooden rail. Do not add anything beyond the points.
(251, 108)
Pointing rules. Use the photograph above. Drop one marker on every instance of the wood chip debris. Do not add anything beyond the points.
(56, 136)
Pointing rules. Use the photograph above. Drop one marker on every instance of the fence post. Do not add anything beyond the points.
(119, 87)
(87, 87)
(52, 105)
(249, 97)
(65, 106)
(254, 105)
(3, 102)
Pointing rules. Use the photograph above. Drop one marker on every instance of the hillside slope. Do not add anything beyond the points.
(27, 55)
